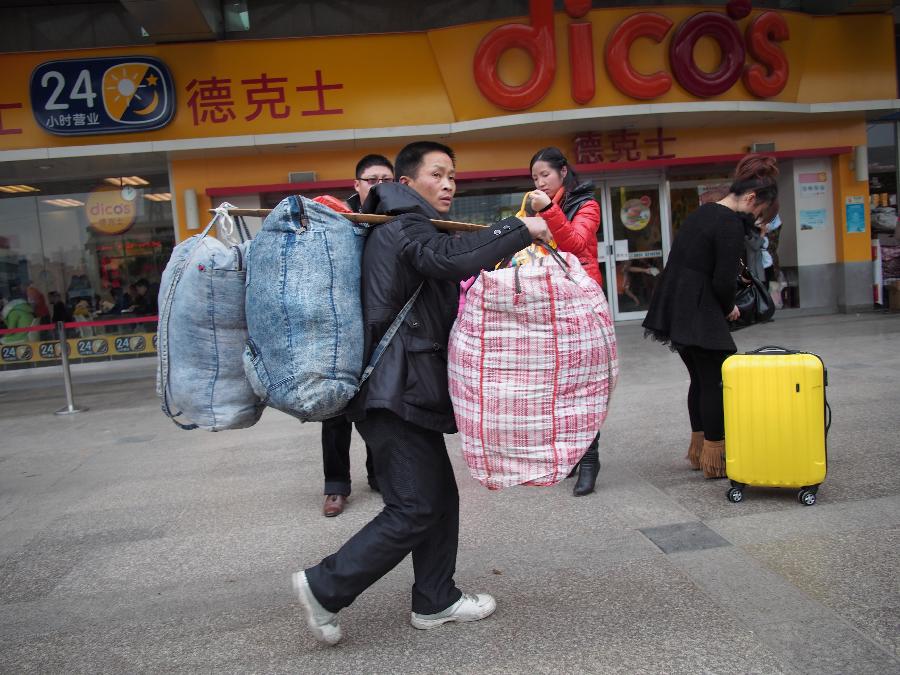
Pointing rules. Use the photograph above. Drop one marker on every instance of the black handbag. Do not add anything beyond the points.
(752, 300)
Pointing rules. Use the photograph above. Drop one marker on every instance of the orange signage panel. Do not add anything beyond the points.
(252, 88)
(577, 58)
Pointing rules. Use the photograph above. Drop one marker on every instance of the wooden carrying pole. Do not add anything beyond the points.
(448, 225)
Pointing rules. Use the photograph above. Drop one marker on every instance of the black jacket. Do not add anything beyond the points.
(410, 380)
(353, 203)
(697, 287)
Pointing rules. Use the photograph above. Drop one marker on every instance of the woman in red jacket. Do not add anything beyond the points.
(568, 207)
(573, 216)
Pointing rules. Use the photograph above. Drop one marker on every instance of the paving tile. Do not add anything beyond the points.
(821, 519)
(744, 588)
(854, 573)
(822, 648)
(681, 537)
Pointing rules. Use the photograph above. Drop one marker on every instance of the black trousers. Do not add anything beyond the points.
(336, 433)
(420, 516)
(705, 393)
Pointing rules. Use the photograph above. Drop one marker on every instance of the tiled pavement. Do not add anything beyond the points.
(127, 545)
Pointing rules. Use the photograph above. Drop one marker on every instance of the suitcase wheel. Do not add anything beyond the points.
(806, 497)
(736, 495)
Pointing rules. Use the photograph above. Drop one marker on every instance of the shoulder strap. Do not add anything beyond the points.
(388, 336)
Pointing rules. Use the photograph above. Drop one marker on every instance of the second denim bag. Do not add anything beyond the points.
(201, 335)
(304, 355)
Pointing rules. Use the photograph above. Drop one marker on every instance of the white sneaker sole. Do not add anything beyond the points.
(329, 635)
(428, 624)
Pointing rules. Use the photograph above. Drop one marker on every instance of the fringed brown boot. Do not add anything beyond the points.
(712, 459)
(693, 455)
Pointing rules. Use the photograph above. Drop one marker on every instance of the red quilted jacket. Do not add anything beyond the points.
(577, 236)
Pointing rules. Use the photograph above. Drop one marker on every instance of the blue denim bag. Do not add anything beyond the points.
(304, 355)
(201, 336)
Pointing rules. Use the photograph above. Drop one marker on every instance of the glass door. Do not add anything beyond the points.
(634, 242)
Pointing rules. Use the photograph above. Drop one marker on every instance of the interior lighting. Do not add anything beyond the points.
(63, 202)
(18, 188)
(133, 181)
(159, 196)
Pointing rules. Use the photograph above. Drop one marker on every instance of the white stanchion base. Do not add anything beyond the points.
(68, 411)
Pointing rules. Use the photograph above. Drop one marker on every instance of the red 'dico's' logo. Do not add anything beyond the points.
(766, 77)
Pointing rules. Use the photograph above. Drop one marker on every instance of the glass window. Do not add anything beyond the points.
(882, 178)
(487, 202)
(637, 237)
(86, 249)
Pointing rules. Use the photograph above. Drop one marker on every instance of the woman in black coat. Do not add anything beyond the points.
(694, 300)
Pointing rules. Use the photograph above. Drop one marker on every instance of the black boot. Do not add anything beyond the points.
(589, 467)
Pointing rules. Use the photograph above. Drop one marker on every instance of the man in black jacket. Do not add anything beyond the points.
(403, 409)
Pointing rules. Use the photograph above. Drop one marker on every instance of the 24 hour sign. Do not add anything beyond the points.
(102, 96)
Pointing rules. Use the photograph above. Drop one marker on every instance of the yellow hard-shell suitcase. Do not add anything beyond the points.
(775, 421)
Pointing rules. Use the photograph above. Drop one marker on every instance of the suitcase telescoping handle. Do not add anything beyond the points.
(773, 349)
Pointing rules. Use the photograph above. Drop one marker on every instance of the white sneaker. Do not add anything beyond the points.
(325, 625)
(467, 608)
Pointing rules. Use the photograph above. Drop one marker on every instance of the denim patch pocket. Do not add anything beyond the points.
(256, 371)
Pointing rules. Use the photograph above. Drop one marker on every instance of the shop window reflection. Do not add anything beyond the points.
(74, 256)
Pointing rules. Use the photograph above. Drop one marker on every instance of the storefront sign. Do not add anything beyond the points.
(109, 211)
(212, 100)
(603, 57)
(623, 146)
(8, 130)
(87, 347)
(767, 76)
(102, 96)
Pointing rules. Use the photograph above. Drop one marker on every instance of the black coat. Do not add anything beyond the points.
(697, 287)
(410, 380)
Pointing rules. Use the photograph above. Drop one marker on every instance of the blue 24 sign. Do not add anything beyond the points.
(102, 96)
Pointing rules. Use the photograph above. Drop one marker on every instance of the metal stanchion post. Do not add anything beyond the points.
(70, 408)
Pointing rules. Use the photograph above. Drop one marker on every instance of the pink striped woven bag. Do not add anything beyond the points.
(532, 364)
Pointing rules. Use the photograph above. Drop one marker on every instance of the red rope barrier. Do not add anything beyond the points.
(81, 324)
(113, 322)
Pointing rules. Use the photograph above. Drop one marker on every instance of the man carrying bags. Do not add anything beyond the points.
(404, 408)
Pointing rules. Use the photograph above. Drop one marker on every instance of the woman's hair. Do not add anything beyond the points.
(759, 174)
(768, 214)
(556, 160)
(714, 194)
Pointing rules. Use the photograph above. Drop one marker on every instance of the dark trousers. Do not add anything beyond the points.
(705, 393)
(420, 516)
(336, 434)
